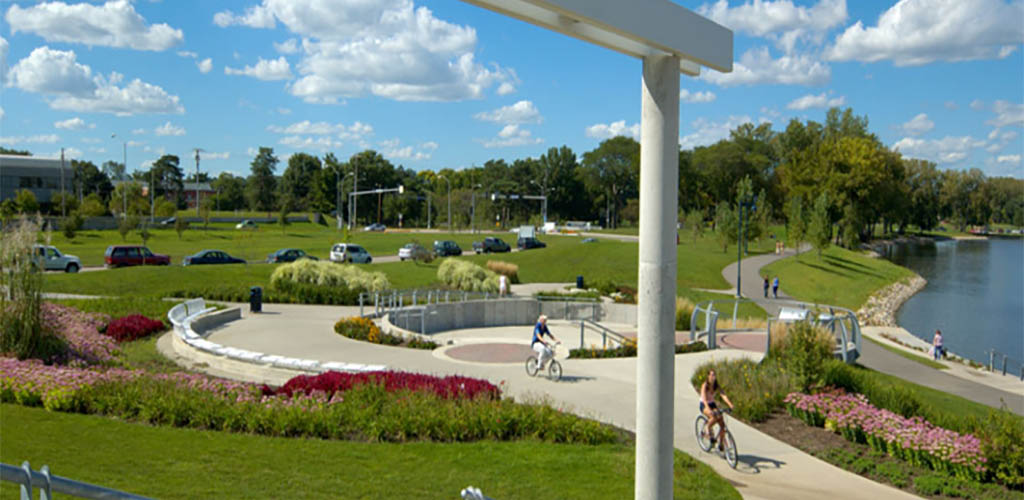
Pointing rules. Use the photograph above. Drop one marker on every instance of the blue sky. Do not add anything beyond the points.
(435, 84)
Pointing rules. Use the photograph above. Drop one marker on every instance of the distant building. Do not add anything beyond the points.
(205, 192)
(42, 176)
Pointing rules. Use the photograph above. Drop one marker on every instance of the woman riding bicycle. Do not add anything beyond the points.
(544, 352)
(708, 390)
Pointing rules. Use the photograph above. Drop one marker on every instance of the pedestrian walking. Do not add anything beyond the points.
(766, 287)
(775, 287)
(502, 285)
(937, 349)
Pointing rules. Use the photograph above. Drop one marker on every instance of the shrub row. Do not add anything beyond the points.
(628, 350)
(450, 387)
(358, 328)
(510, 270)
(330, 275)
(465, 275)
(132, 327)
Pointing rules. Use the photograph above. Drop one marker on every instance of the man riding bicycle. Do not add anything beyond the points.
(544, 352)
(708, 390)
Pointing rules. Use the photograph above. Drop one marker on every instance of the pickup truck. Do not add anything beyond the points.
(491, 245)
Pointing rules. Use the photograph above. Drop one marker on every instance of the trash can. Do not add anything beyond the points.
(579, 282)
(255, 299)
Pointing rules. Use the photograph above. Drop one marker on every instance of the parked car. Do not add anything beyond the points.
(133, 255)
(51, 259)
(288, 255)
(169, 221)
(376, 226)
(491, 245)
(348, 252)
(210, 257)
(411, 251)
(529, 242)
(246, 224)
(446, 248)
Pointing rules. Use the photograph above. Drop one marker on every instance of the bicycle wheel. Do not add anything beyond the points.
(555, 370)
(731, 456)
(531, 366)
(699, 430)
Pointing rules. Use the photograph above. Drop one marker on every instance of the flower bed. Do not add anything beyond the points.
(912, 439)
(450, 387)
(86, 345)
(132, 327)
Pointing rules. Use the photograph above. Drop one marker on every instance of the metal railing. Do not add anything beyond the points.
(385, 302)
(994, 355)
(604, 331)
(48, 484)
(840, 321)
(711, 315)
(573, 308)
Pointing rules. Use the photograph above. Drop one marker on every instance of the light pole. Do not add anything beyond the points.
(752, 204)
(124, 171)
(338, 188)
(472, 210)
(197, 150)
(449, 201)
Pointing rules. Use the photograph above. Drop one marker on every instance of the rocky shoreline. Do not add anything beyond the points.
(880, 309)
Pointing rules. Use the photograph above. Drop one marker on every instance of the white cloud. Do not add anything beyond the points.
(91, 140)
(756, 67)
(1000, 139)
(1, 113)
(779, 20)
(511, 136)
(265, 69)
(69, 153)
(391, 149)
(918, 125)
(978, 105)
(506, 88)
(205, 65)
(139, 131)
(915, 32)
(1008, 159)
(289, 46)
(209, 155)
(97, 150)
(951, 105)
(390, 48)
(949, 149)
(614, 129)
(188, 53)
(520, 112)
(431, 145)
(1007, 113)
(355, 131)
(708, 132)
(687, 96)
(169, 129)
(113, 24)
(816, 101)
(322, 143)
(284, 111)
(34, 139)
(75, 123)
(73, 87)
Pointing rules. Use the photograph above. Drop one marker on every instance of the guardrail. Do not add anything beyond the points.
(603, 330)
(47, 483)
(573, 308)
(994, 354)
(385, 302)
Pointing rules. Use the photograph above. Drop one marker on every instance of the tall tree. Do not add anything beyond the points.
(611, 172)
(167, 179)
(297, 181)
(796, 230)
(819, 231)
(558, 175)
(726, 225)
(230, 191)
(88, 179)
(261, 182)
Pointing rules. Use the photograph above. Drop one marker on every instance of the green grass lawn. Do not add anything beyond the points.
(904, 354)
(840, 277)
(163, 462)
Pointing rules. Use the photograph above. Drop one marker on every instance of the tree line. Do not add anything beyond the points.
(840, 167)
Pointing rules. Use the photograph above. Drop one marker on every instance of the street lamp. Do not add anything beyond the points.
(197, 150)
(449, 201)
(338, 188)
(752, 205)
(472, 210)
(124, 171)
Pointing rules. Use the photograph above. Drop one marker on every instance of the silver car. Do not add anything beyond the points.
(52, 260)
(348, 252)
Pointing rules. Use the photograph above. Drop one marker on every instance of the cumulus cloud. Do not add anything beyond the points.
(709, 132)
(33, 139)
(71, 86)
(506, 88)
(391, 49)
(687, 96)
(289, 46)
(978, 105)
(816, 101)
(355, 131)
(322, 143)
(265, 69)
(756, 66)
(169, 129)
(520, 112)
(1007, 114)
(392, 148)
(113, 24)
(210, 155)
(915, 32)
(918, 125)
(1008, 159)
(779, 20)
(951, 105)
(947, 150)
(75, 123)
(205, 65)
(613, 129)
(511, 136)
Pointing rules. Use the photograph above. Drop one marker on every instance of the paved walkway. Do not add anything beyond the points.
(601, 389)
(985, 391)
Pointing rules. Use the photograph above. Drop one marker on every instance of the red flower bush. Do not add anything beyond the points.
(450, 387)
(132, 327)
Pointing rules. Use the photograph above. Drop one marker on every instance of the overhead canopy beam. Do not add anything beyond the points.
(637, 28)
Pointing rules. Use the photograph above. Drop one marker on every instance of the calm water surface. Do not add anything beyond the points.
(975, 295)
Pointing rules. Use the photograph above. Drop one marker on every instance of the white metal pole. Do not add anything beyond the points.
(659, 185)
(124, 185)
(63, 195)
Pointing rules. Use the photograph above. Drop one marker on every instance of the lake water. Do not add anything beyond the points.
(975, 295)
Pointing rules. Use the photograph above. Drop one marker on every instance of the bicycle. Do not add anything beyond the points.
(554, 367)
(728, 445)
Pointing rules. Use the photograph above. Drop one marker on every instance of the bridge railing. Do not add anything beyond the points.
(47, 483)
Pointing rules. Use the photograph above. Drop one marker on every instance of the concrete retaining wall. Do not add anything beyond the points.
(501, 312)
(213, 320)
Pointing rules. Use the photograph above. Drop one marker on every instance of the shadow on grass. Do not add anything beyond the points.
(824, 268)
(838, 262)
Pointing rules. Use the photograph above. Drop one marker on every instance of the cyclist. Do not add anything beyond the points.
(543, 349)
(708, 390)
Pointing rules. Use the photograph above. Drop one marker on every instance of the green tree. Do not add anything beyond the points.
(125, 226)
(282, 217)
(71, 224)
(851, 227)
(132, 193)
(819, 231)
(695, 223)
(89, 179)
(559, 180)
(168, 179)
(297, 181)
(796, 230)
(61, 203)
(261, 183)
(26, 202)
(144, 233)
(165, 208)
(725, 225)
(92, 206)
(180, 225)
(611, 173)
(230, 191)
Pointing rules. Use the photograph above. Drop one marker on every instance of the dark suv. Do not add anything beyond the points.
(529, 242)
(133, 255)
(446, 248)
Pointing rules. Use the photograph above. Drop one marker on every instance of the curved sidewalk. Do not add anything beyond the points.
(600, 389)
(874, 356)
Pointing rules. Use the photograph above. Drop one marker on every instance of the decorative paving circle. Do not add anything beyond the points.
(744, 341)
(491, 353)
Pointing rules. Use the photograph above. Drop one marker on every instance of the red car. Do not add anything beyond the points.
(133, 255)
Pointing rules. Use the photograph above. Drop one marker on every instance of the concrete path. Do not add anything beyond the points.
(600, 389)
(873, 356)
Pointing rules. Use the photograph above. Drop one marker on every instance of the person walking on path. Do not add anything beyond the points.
(937, 350)
(502, 285)
(766, 287)
(775, 287)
